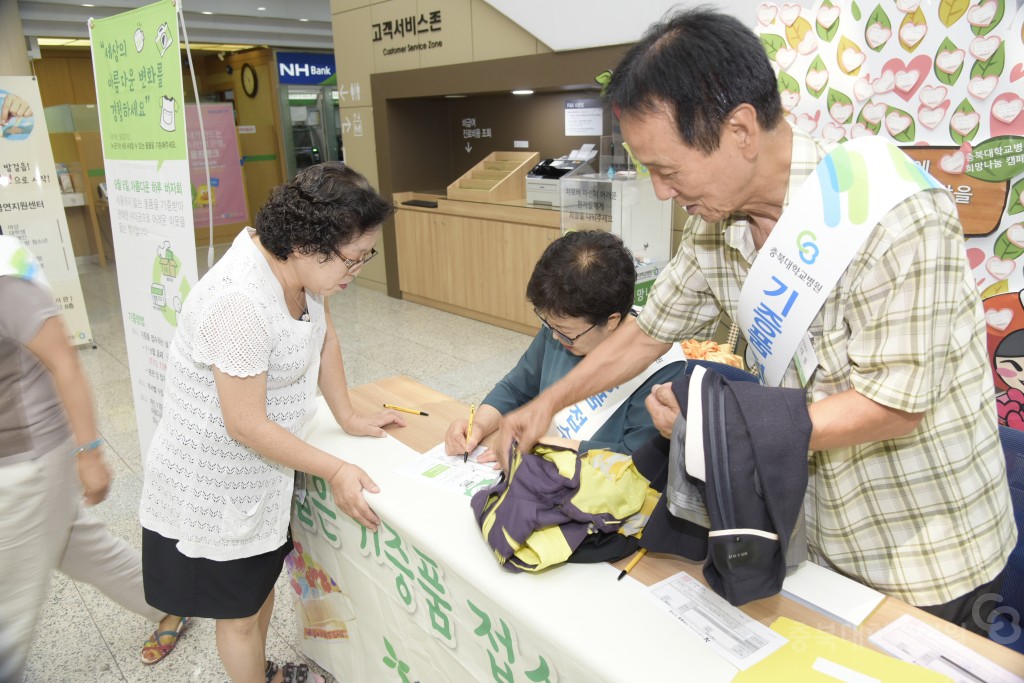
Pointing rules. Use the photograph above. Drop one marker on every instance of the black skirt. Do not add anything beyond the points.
(198, 587)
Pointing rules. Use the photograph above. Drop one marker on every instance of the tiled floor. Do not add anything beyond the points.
(86, 638)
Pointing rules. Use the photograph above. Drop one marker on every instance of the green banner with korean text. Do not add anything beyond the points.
(137, 63)
(137, 66)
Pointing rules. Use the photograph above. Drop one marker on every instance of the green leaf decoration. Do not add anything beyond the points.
(950, 11)
(958, 137)
(873, 127)
(1005, 249)
(819, 66)
(946, 78)
(787, 82)
(985, 30)
(906, 135)
(826, 34)
(390, 649)
(772, 44)
(1016, 198)
(834, 97)
(993, 66)
(877, 17)
(855, 11)
(1001, 287)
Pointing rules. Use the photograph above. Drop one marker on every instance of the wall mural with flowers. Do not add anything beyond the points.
(945, 81)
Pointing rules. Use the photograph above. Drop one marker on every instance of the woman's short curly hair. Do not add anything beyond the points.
(321, 209)
(587, 274)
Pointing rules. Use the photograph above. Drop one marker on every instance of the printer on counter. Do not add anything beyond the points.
(542, 180)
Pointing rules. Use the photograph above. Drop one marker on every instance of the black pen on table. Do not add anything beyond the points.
(632, 563)
(469, 431)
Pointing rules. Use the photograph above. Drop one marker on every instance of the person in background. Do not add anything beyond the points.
(582, 290)
(51, 468)
(907, 490)
(254, 341)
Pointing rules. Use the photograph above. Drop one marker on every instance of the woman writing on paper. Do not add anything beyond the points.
(581, 289)
(254, 340)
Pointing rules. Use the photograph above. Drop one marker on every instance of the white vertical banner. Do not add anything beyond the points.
(31, 207)
(137, 64)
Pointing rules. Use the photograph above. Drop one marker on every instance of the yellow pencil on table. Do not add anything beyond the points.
(632, 563)
(406, 410)
(469, 431)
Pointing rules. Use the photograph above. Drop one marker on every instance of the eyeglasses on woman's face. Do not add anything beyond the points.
(562, 336)
(356, 264)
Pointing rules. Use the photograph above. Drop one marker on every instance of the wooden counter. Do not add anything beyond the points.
(473, 259)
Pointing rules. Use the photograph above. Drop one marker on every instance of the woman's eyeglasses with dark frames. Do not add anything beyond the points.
(562, 337)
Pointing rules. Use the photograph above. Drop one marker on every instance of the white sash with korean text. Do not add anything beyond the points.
(826, 223)
(582, 420)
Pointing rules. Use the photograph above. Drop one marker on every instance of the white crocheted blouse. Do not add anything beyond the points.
(218, 498)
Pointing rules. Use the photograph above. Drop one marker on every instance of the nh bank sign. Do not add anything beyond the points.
(306, 68)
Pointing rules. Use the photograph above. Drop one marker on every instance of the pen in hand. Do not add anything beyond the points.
(469, 431)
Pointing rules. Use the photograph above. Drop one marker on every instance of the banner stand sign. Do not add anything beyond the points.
(31, 206)
(137, 65)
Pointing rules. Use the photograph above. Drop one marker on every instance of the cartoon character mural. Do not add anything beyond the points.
(945, 81)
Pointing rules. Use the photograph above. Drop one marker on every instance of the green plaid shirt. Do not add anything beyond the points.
(926, 517)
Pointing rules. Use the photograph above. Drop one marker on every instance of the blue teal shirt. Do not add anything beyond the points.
(546, 361)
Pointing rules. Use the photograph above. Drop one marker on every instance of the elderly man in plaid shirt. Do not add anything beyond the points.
(907, 490)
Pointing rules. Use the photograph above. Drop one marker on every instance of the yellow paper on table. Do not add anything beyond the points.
(813, 655)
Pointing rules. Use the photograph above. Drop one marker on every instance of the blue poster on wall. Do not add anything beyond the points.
(306, 68)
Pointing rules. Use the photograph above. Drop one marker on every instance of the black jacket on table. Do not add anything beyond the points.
(755, 442)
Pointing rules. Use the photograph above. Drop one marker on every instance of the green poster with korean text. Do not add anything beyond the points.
(137, 62)
(137, 65)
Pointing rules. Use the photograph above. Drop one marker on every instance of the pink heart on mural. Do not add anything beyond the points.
(982, 87)
(975, 257)
(1016, 72)
(999, 268)
(983, 47)
(766, 13)
(954, 163)
(999, 318)
(930, 117)
(1015, 233)
(807, 122)
(982, 14)
(789, 14)
(908, 77)
(862, 88)
(1006, 117)
(932, 96)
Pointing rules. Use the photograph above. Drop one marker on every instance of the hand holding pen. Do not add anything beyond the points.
(469, 431)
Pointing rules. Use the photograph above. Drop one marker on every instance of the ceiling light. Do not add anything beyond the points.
(455, 97)
(261, 9)
(522, 92)
(86, 4)
(207, 13)
(303, 19)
